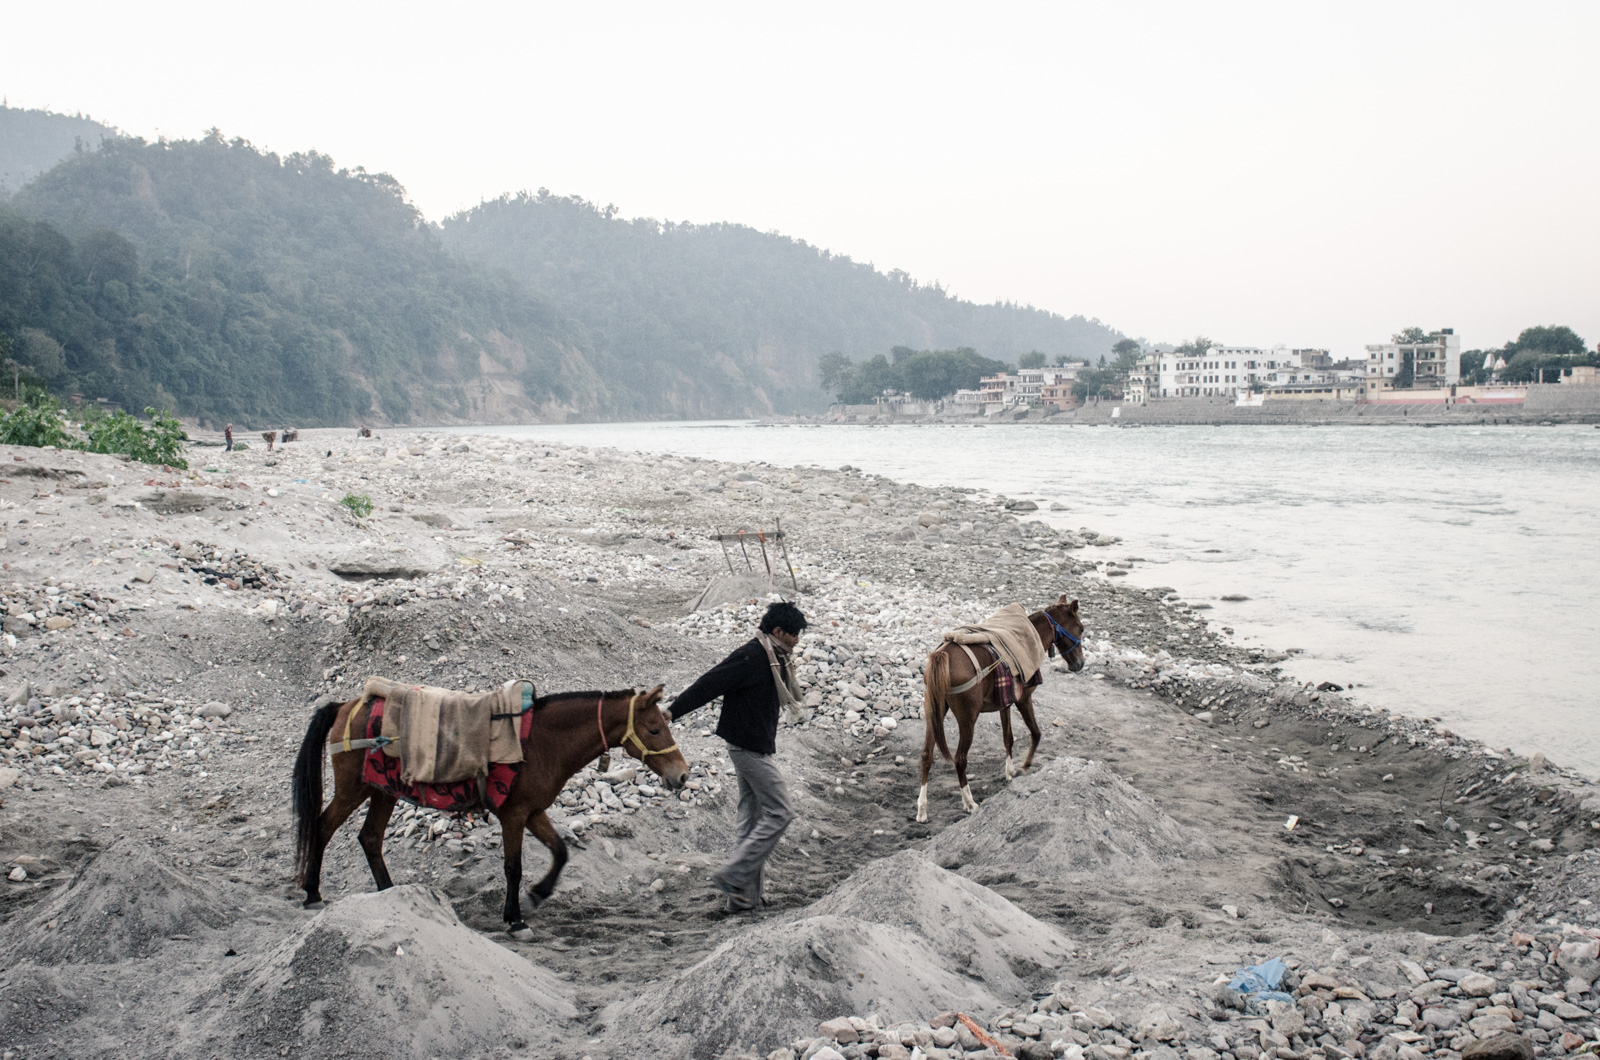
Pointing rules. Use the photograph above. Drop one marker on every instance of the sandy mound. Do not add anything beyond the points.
(975, 931)
(394, 973)
(124, 902)
(901, 938)
(778, 980)
(1063, 822)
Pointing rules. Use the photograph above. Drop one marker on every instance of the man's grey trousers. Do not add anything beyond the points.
(764, 814)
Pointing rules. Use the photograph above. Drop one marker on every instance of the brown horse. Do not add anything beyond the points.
(569, 730)
(1059, 628)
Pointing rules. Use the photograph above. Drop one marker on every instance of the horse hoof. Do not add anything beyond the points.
(316, 904)
(536, 898)
(520, 931)
(922, 816)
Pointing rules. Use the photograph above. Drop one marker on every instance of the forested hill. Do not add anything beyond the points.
(228, 283)
(720, 299)
(231, 284)
(31, 141)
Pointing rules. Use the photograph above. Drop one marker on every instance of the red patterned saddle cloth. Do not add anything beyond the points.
(383, 772)
(1005, 683)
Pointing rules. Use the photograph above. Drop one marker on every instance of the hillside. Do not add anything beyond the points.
(716, 300)
(31, 141)
(229, 283)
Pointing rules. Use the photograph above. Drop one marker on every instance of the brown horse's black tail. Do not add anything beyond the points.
(306, 787)
(935, 698)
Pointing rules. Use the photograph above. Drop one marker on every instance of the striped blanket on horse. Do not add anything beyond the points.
(488, 791)
(441, 736)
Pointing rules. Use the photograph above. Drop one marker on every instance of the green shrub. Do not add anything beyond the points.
(37, 421)
(360, 504)
(158, 442)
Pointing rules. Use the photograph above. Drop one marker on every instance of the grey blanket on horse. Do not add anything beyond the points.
(442, 736)
(1012, 635)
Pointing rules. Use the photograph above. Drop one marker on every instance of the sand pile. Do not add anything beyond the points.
(975, 931)
(393, 973)
(1067, 821)
(901, 939)
(124, 902)
(779, 980)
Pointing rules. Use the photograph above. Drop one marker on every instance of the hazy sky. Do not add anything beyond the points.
(1314, 174)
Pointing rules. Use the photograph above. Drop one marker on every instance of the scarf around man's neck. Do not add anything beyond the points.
(782, 679)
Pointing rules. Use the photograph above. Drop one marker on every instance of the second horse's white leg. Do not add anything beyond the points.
(1011, 769)
(968, 803)
(922, 805)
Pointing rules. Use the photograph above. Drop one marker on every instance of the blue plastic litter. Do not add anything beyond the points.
(1262, 982)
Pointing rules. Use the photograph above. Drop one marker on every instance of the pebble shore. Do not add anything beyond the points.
(164, 631)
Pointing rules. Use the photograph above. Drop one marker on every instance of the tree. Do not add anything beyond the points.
(1409, 336)
(1407, 372)
(1198, 346)
(933, 374)
(1092, 381)
(926, 375)
(1034, 359)
(1552, 341)
(1127, 357)
(1539, 350)
(835, 372)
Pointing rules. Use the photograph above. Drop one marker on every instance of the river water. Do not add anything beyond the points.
(1450, 573)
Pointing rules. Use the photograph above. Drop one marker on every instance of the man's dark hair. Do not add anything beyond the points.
(785, 616)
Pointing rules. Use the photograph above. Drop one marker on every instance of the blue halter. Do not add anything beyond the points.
(1060, 632)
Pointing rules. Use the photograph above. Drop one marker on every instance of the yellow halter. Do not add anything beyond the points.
(630, 736)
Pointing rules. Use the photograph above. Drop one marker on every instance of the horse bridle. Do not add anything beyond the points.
(630, 735)
(1061, 631)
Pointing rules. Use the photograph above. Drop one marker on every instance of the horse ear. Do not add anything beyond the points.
(654, 694)
(1073, 607)
(1061, 599)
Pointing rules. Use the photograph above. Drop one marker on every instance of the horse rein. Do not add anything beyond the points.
(630, 735)
(1061, 632)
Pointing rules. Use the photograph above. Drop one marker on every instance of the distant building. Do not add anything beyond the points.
(1581, 375)
(1226, 371)
(1029, 382)
(967, 400)
(1059, 395)
(999, 392)
(1435, 362)
(1348, 390)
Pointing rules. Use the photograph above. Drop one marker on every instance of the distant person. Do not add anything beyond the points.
(364, 431)
(754, 683)
(227, 438)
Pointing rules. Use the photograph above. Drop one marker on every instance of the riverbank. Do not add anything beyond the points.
(1548, 405)
(160, 685)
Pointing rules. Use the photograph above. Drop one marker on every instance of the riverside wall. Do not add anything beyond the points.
(1544, 404)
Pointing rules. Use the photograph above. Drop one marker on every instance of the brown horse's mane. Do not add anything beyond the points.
(556, 697)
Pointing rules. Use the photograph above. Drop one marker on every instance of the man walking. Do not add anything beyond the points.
(227, 435)
(755, 682)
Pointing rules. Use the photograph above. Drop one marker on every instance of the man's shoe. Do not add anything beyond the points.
(737, 902)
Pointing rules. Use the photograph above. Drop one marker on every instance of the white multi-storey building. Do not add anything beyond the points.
(1435, 361)
(1224, 371)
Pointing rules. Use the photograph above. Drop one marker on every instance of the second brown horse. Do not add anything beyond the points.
(1059, 629)
(570, 730)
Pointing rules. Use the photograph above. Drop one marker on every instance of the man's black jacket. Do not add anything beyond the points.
(749, 698)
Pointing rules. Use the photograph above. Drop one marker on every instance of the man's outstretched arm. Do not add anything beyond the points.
(727, 675)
